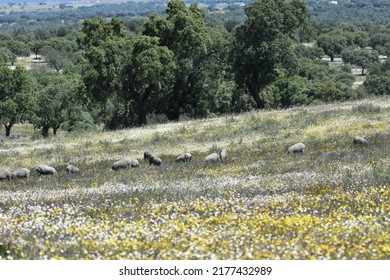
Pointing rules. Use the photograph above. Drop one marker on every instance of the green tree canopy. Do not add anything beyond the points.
(16, 97)
(332, 44)
(60, 101)
(378, 79)
(16, 47)
(264, 43)
(380, 41)
(41, 34)
(341, 37)
(360, 57)
(148, 74)
(105, 49)
(6, 56)
(96, 31)
(185, 33)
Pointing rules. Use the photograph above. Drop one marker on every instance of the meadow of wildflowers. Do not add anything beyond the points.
(332, 202)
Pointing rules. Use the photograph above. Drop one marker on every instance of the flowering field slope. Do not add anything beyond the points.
(332, 202)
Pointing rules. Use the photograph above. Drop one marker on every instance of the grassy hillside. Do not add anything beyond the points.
(331, 202)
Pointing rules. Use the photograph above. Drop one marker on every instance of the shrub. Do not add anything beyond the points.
(366, 109)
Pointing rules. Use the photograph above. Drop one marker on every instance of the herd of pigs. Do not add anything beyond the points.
(153, 160)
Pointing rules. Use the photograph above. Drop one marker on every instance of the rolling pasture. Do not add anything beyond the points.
(331, 202)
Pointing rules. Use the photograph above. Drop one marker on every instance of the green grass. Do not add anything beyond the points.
(331, 202)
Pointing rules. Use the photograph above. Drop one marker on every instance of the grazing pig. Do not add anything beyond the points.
(184, 157)
(212, 157)
(155, 161)
(147, 155)
(45, 170)
(21, 173)
(223, 155)
(357, 140)
(5, 175)
(296, 148)
(71, 169)
(124, 163)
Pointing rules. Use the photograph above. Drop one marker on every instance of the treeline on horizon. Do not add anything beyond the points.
(375, 11)
(128, 72)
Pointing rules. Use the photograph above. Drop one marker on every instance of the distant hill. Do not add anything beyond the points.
(5, 2)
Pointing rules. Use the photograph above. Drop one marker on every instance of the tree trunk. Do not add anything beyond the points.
(7, 129)
(255, 92)
(55, 128)
(127, 114)
(362, 71)
(45, 131)
(173, 115)
(176, 100)
(141, 112)
(259, 102)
